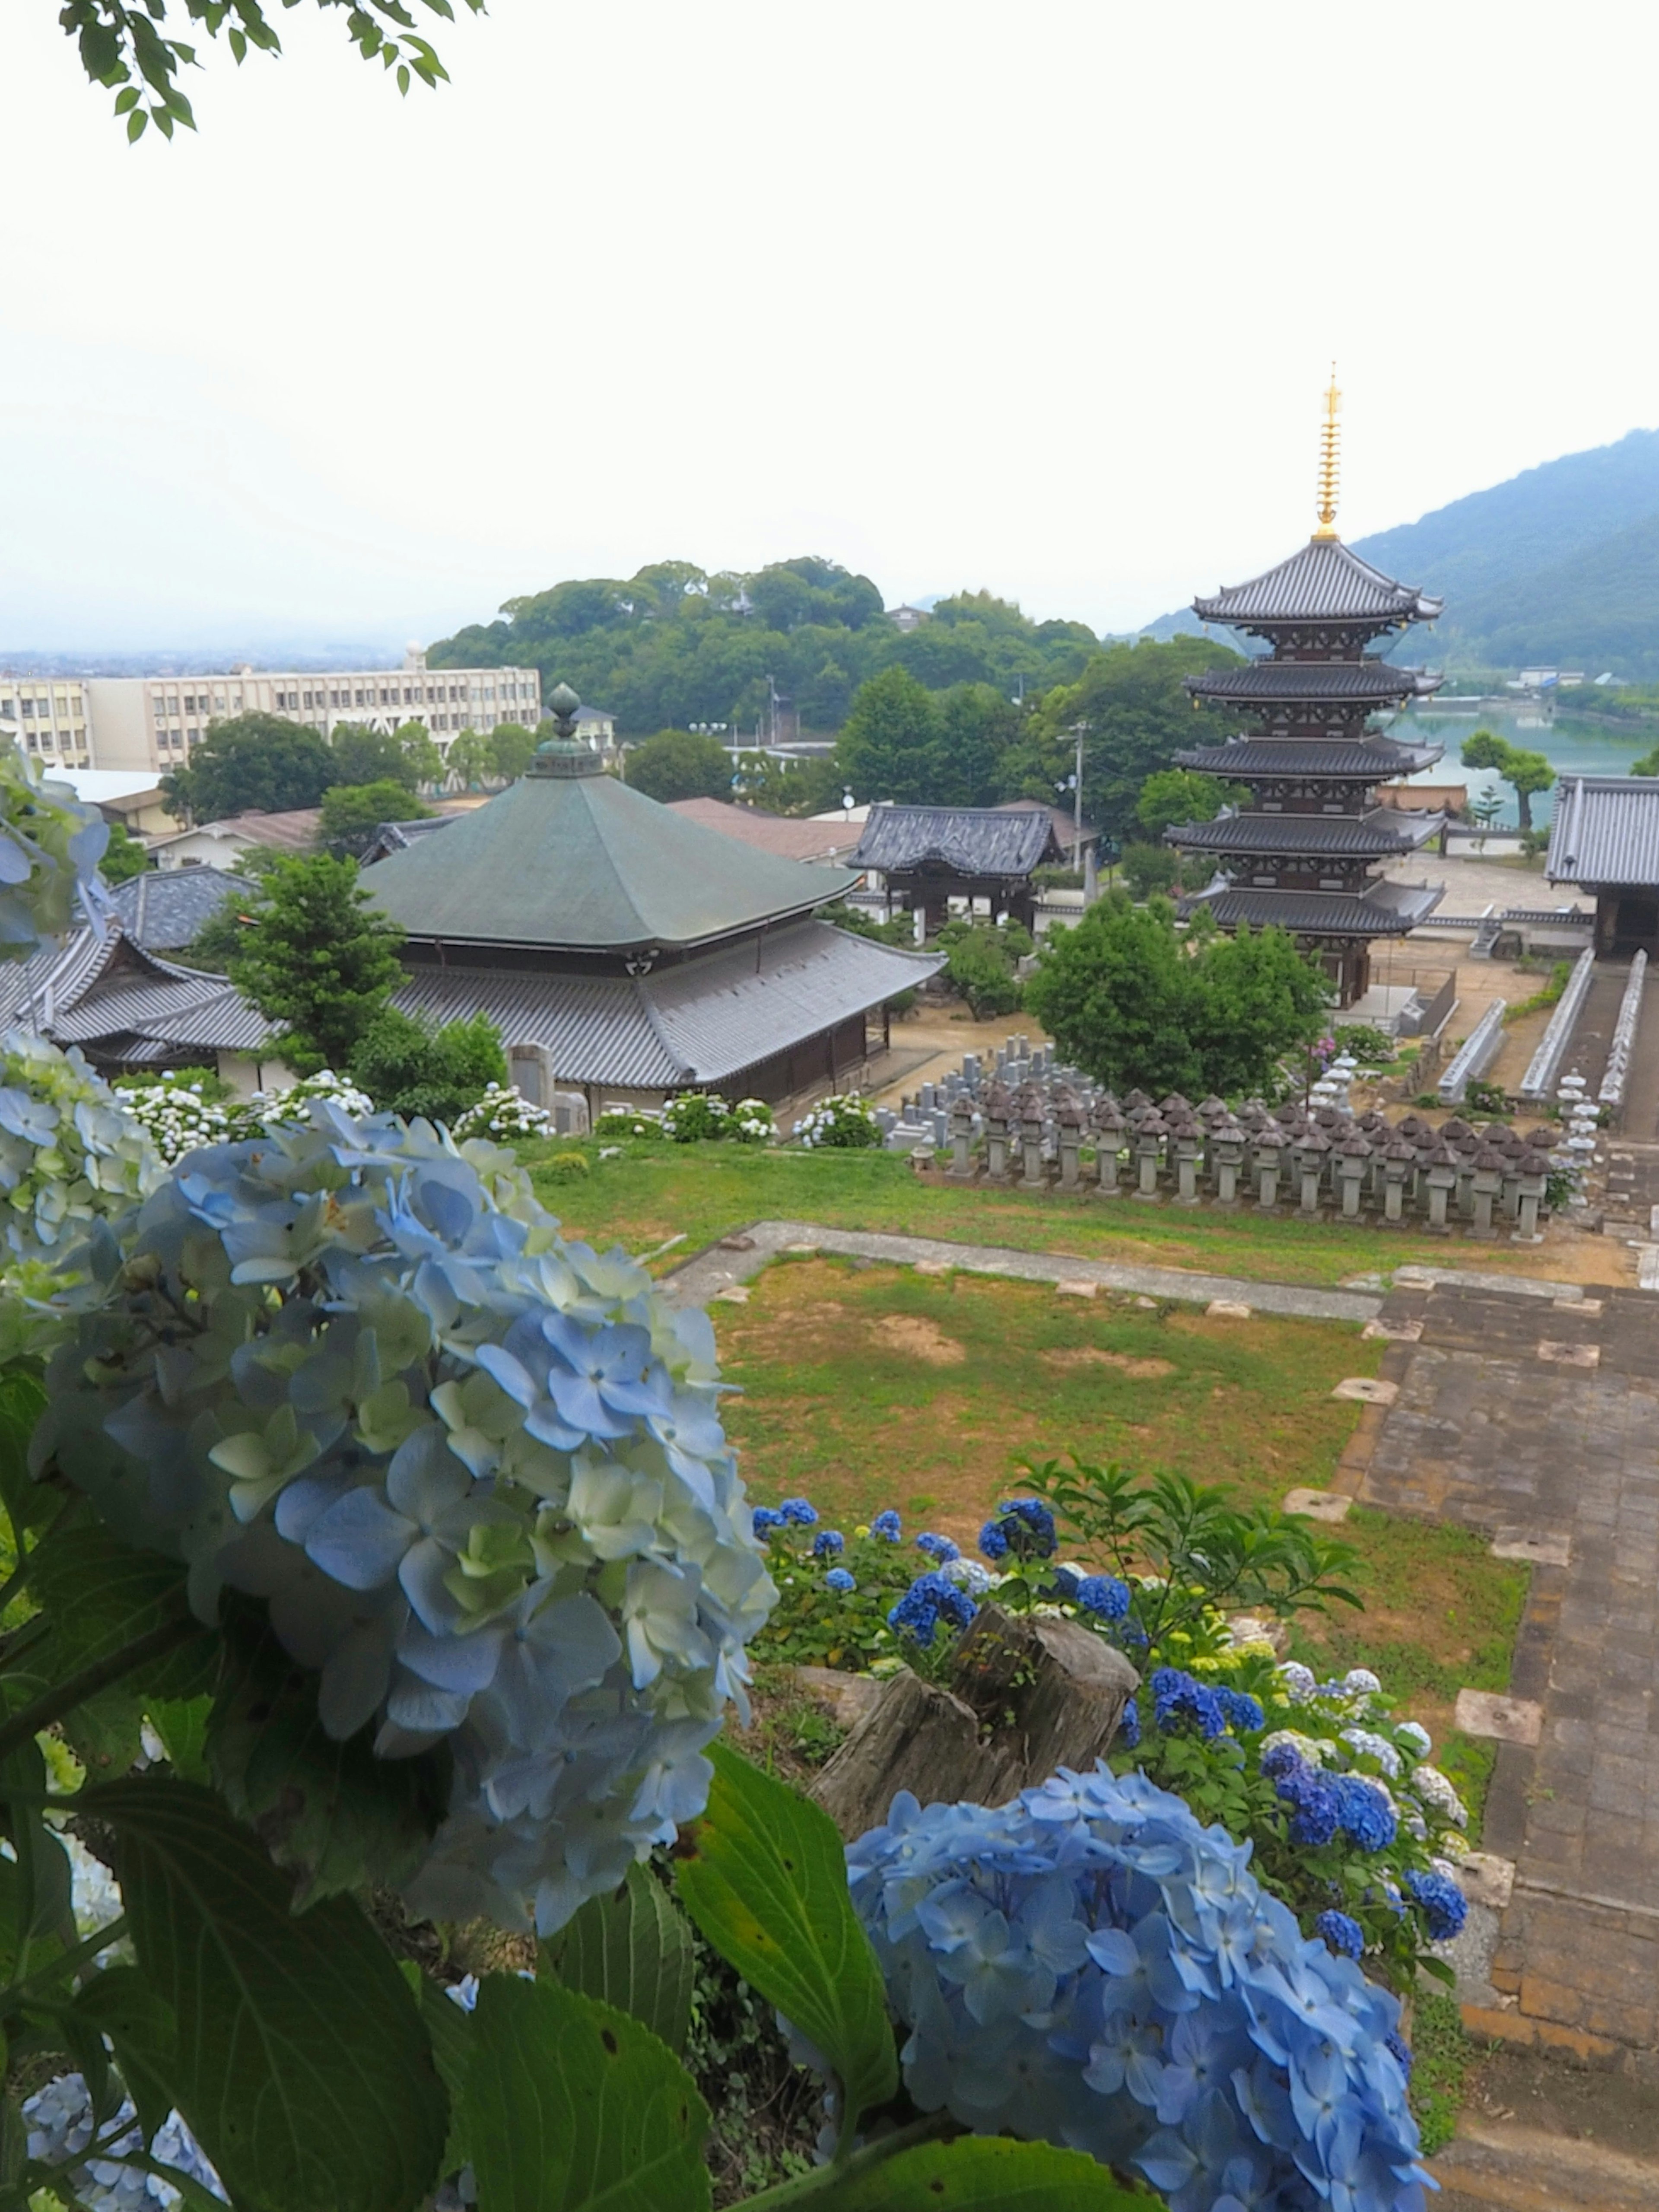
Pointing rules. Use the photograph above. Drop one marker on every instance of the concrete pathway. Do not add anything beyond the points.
(1540, 1426)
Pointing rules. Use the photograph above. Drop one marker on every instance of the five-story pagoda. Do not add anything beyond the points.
(1303, 855)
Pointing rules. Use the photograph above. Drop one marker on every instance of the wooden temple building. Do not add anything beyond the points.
(1303, 854)
(925, 856)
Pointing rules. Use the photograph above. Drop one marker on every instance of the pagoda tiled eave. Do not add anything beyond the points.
(1363, 760)
(1321, 916)
(1377, 834)
(1368, 682)
(1325, 587)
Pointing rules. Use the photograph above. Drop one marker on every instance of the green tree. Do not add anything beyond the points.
(408, 1066)
(1136, 716)
(316, 959)
(1526, 773)
(893, 746)
(125, 856)
(1148, 869)
(679, 764)
(471, 759)
(352, 812)
(363, 756)
(128, 47)
(980, 728)
(788, 787)
(420, 751)
(252, 760)
(512, 749)
(1178, 794)
(1127, 1000)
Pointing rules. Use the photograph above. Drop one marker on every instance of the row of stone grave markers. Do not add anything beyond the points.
(1032, 1124)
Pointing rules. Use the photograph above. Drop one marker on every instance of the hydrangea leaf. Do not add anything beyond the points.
(99, 1594)
(119, 2003)
(330, 1813)
(181, 1724)
(632, 1949)
(765, 1880)
(449, 2027)
(301, 2064)
(28, 1503)
(572, 2104)
(988, 2173)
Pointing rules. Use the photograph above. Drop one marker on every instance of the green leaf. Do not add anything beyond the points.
(635, 1951)
(182, 1725)
(987, 2173)
(28, 1503)
(450, 2031)
(302, 2064)
(331, 1812)
(119, 2002)
(571, 2104)
(100, 1594)
(766, 1883)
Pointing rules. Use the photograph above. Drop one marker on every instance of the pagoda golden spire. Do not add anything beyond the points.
(1330, 460)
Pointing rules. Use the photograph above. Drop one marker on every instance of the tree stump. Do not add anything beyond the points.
(1027, 1697)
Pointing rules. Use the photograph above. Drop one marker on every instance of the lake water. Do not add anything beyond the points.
(1572, 748)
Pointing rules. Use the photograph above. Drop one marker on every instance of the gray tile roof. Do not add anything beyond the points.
(1606, 830)
(165, 907)
(701, 1021)
(1268, 683)
(969, 841)
(1386, 911)
(1323, 583)
(116, 1001)
(1384, 829)
(1249, 760)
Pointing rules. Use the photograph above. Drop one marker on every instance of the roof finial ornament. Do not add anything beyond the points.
(1330, 460)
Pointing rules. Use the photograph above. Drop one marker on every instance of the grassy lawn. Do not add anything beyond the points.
(866, 1386)
(654, 1191)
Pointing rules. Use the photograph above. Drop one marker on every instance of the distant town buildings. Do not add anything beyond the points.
(47, 716)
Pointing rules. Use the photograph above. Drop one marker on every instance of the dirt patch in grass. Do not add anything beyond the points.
(922, 1339)
(1092, 1355)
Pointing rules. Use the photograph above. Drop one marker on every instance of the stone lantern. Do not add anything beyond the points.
(1441, 1178)
(1268, 1152)
(1487, 1185)
(1531, 1189)
(1188, 1148)
(1312, 1147)
(1399, 1163)
(1149, 1152)
(1068, 1119)
(1108, 1146)
(1030, 1108)
(1352, 1164)
(998, 1107)
(1227, 1151)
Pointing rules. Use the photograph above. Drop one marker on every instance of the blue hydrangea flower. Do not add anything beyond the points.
(929, 1600)
(764, 1520)
(1401, 2053)
(1316, 1807)
(475, 1472)
(1176, 1697)
(1364, 1812)
(799, 1513)
(828, 1544)
(840, 1581)
(1342, 1933)
(1243, 1712)
(939, 1548)
(1129, 1727)
(1089, 1965)
(1104, 1595)
(1443, 1903)
(61, 2123)
(1024, 1526)
(888, 1527)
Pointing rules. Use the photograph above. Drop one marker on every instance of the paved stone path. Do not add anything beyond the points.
(1543, 1423)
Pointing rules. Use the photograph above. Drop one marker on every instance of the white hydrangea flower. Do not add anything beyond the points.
(1312, 1749)
(1297, 1681)
(1359, 1681)
(1416, 1735)
(505, 1116)
(1370, 1745)
(1433, 1789)
(968, 1574)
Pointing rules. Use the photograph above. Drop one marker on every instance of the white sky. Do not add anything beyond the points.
(1040, 297)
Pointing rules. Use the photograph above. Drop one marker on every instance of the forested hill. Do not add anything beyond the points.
(674, 646)
(1558, 566)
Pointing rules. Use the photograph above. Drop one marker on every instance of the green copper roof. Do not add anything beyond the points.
(582, 862)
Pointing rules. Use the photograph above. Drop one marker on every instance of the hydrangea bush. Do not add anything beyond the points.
(1092, 1964)
(180, 1113)
(846, 1123)
(476, 1473)
(704, 1116)
(629, 1121)
(504, 1116)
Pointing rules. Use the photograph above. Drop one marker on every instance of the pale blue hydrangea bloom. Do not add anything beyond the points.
(477, 1473)
(1090, 1966)
(60, 2124)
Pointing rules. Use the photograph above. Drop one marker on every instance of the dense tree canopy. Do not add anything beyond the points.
(1135, 715)
(406, 756)
(679, 764)
(1526, 773)
(252, 760)
(1133, 1004)
(316, 959)
(125, 856)
(674, 647)
(410, 1065)
(352, 812)
(1178, 794)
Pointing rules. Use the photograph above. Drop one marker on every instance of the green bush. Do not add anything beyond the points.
(980, 957)
(1151, 868)
(410, 1065)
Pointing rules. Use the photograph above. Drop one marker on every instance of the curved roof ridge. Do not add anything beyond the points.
(1324, 580)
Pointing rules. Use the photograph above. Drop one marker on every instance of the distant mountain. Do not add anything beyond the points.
(1560, 566)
